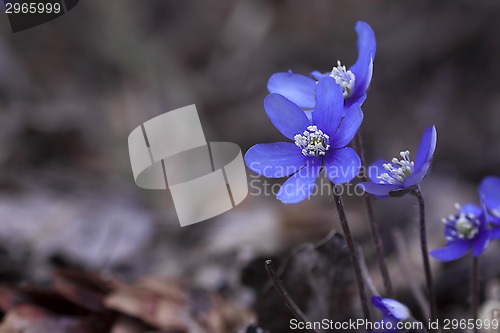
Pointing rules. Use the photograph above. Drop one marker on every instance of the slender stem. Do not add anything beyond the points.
(407, 270)
(425, 255)
(474, 289)
(354, 256)
(289, 302)
(374, 228)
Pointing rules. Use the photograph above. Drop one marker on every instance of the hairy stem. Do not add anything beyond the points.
(474, 290)
(289, 302)
(425, 255)
(374, 228)
(354, 257)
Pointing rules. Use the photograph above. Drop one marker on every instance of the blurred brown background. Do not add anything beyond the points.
(72, 90)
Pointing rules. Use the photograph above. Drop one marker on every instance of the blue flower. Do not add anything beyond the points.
(393, 312)
(464, 231)
(317, 141)
(489, 190)
(399, 177)
(354, 81)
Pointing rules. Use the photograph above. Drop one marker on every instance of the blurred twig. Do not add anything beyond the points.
(289, 302)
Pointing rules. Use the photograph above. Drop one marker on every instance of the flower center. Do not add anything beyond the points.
(398, 170)
(463, 226)
(313, 141)
(343, 77)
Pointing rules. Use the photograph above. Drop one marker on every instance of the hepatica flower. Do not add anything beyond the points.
(401, 175)
(354, 81)
(393, 312)
(464, 231)
(318, 141)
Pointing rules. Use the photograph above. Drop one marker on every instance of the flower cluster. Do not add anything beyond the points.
(318, 141)
(473, 227)
(321, 115)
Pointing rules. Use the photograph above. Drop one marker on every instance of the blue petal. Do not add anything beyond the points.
(309, 115)
(296, 87)
(489, 190)
(285, 115)
(417, 176)
(452, 251)
(342, 165)
(352, 100)
(378, 190)
(363, 68)
(376, 169)
(427, 147)
(348, 127)
(318, 75)
(377, 301)
(275, 160)
(396, 309)
(329, 106)
(469, 208)
(300, 186)
(480, 242)
(493, 219)
(495, 233)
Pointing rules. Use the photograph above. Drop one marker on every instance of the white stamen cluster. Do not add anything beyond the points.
(313, 141)
(463, 226)
(343, 77)
(398, 170)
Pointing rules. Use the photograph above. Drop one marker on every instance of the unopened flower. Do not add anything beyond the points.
(393, 312)
(400, 176)
(318, 141)
(464, 231)
(354, 81)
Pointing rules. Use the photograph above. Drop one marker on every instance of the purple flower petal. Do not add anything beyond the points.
(285, 115)
(353, 100)
(348, 127)
(427, 147)
(296, 87)
(480, 242)
(452, 251)
(417, 176)
(318, 75)
(471, 209)
(377, 301)
(495, 233)
(378, 190)
(376, 169)
(489, 190)
(396, 309)
(275, 160)
(329, 106)
(300, 186)
(342, 165)
(363, 68)
(493, 219)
